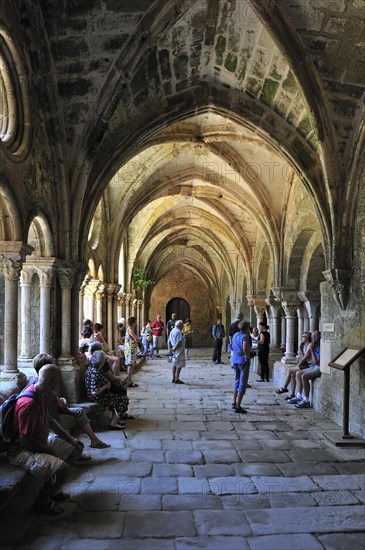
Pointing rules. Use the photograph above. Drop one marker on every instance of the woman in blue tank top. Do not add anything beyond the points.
(241, 346)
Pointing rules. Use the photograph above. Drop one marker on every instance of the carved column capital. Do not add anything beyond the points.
(290, 309)
(10, 267)
(339, 281)
(25, 276)
(100, 292)
(112, 289)
(45, 275)
(66, 277)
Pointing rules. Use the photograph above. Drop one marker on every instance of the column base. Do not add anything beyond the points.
(24, 361)
(72, 380)
(11, 382)
(288, 360)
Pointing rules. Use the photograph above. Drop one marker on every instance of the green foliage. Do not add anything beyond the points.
(140, 282)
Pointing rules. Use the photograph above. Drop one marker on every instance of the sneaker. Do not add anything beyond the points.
(303, 404)
(290, 396)
(248, 386)
(294, 400)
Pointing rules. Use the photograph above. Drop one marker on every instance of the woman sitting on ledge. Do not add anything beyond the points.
(98, 389)
(302, 364)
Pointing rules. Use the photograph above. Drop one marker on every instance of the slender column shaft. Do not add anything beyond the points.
(26, 335)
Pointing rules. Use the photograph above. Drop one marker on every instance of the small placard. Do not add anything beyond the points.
(346, 358)
(328, 327)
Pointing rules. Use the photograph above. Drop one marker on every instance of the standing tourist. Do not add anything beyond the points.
(263, 352)
(241, 364)
(158, 328)
(218, 333)
(176, 340)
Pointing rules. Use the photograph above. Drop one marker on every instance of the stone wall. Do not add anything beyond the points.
(183, 283)
(349, 330)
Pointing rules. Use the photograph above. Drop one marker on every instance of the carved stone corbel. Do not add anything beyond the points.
(339, 281)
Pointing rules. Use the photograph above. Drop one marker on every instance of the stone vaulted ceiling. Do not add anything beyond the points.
(198, 120)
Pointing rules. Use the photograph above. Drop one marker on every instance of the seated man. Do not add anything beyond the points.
(45, 456)
(67, 417)
(311, 373)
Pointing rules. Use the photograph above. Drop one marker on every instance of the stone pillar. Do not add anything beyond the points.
(274, 327)
(283, 331)
(89, 302)
(139, 316)
(312, 310)
(82, 313)
(111, 291)
(25, 312)
(99, 298)
(290, 312)
(66, 278)
(260, 311)
(128, 306)
(46, 275)
(300, 327)
(11, 269)
(120, 305)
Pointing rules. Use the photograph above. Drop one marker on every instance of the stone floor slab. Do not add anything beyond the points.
(334, 498)
(221, 456)
(253, 469)
(232, 486)
(213, 470)
(301, 520)
(191, 502)
(284, 542)
(158, 485)
(292, 500)
(159, 524)
(270, 484)
(335, 483)
(290, 469)
(175, 470)
(264, 456)
(191, 485)
(343, 541)
(221, 522)
(211, 543)
(184, 456)
(245, 501)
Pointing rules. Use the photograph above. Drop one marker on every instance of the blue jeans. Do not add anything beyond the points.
(241, 373)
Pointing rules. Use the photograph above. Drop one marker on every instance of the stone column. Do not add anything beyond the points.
(139, 315)
(45, 277)
(99, 298)
(260, 311)
(11, 269)
(89, 302)
(290, 312)
(66, 278)
(128, 305)
(82, 313)
(312, 310)
(283, 331)
(111, 291)
(274, 327)
(120, 305)
(25, 313)
(300, 325)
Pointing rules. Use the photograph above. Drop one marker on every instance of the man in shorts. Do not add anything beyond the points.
(45, 456)
(158, 328)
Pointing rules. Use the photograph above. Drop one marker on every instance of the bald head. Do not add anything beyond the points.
(48, 377)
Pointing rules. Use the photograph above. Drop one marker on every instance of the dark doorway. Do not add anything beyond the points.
(178, 306)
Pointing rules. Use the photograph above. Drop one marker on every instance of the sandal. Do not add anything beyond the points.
(240, 410)
(49, 509)
(290, 396)
(126, 416)
(233, 405)
(282, 390)
(132, 385)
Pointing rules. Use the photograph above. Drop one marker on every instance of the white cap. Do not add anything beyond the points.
(121, 320)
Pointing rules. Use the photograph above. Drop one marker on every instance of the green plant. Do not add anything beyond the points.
(140, 282)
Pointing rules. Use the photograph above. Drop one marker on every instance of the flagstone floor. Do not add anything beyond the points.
(193, 474)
